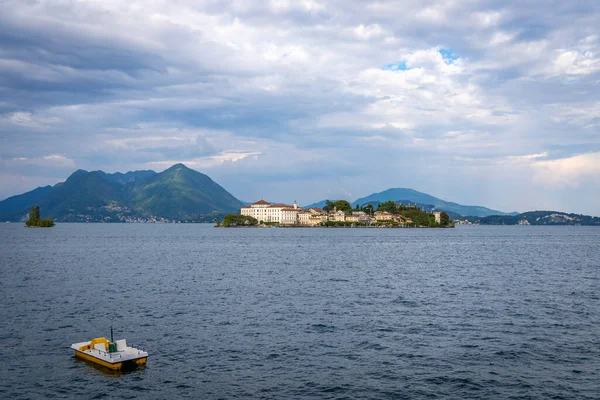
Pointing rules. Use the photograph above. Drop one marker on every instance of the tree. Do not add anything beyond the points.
(368, 208)
(239, 220)
(34, 213)
(389, 206)
(444, 218)
(34, 219)
(343, 205)
(45, 223)
(420, 218)
(340, 205)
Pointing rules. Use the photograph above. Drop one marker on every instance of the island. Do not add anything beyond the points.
(35, 221)
(338, 213)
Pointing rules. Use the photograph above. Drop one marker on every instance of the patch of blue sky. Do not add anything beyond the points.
(397, 66)
(448, 55)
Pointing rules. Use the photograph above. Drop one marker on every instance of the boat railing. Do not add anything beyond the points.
(139, 350)
(116, 354)
(109, 355)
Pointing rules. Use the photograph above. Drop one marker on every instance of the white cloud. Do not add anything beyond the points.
(368, 32)
(527, 157)
(499, 38)
(228, 156)
(302, 5)
(48, 161)
(488, 19)
(573, 62)
(28, 119)
(570, 171)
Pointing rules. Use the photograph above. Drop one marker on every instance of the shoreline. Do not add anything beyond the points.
(339, 227)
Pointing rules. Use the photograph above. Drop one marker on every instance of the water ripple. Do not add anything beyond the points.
(474, 312)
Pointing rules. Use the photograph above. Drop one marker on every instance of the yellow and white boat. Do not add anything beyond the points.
(115, 355)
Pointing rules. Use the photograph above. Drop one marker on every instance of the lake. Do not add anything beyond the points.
(472, 312)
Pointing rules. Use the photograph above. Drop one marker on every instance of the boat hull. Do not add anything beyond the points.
(114, 366)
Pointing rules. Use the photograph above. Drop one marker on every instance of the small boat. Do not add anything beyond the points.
(115, 355)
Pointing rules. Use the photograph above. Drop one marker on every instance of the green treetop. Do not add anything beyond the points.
(35, 220)
(239, 220)
(340, 205)
(444, 218)
(389, 206)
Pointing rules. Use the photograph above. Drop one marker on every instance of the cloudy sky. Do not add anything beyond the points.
(494, 103)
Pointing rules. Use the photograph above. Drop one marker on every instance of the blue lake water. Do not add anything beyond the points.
(471, 312)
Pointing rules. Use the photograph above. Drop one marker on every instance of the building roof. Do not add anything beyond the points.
(281, 205)
(261, 201)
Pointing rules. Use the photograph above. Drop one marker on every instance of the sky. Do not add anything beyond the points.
(493, 103)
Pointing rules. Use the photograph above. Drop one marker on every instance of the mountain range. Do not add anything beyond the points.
(183, 194)
(176, 194)
(423, 200)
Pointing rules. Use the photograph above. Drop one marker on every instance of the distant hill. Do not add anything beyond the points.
(319, 204)
(537, 218)
(422, 200)
(178, 193)
(12, 208)
(430, 208)
(403, 194)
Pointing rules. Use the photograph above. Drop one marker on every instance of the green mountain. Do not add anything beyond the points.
(406, 196)
(538, 218)
(182, 193)
(178, 193)
(83, 193)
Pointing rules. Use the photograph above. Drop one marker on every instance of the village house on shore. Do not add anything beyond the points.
(285, 214)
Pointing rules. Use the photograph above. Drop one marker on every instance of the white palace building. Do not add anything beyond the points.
(284, 214)
(267, 212)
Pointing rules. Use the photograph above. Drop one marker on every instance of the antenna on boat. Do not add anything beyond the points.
(111, 335)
